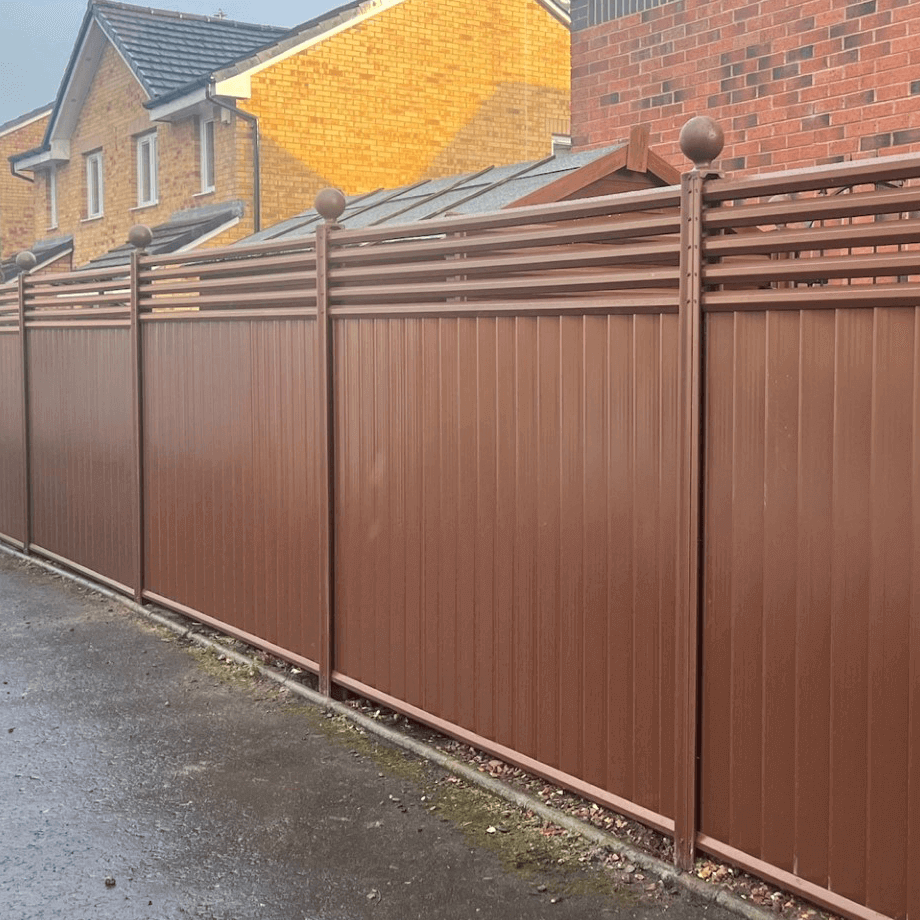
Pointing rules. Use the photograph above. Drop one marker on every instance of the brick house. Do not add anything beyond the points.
(103, 164)
(792, 84)
(165, 117)
(17, 200)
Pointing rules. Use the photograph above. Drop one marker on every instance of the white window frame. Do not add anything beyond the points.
(208, 161)
(95, 185)
(52, 197)
(148, 170)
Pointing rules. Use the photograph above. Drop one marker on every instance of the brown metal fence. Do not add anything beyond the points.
(623, 490)
(12, 457)
(810, 640)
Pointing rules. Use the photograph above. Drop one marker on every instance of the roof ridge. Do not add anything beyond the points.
(178, 14)
(142, 33)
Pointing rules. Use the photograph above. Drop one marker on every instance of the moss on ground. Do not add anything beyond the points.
(521, 841)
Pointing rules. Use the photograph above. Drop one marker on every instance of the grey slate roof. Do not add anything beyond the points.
(167, 50)
(474, 193)
(45, 252)
(312, 28)
(184, 228)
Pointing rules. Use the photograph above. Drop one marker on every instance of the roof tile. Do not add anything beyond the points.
(168, 50)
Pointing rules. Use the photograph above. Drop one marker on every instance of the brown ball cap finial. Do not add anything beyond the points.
(702, 140)
(140, 237)
(26, 261)
(330, 203)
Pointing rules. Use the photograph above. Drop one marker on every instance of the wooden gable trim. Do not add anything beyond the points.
(637, 149)
(635, 155)
(575, 181)
(659, 166)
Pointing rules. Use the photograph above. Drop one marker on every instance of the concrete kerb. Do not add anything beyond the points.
(180, 626)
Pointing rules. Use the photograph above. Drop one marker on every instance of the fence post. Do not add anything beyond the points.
(140, 238)
(330, 203)
(701, 141)
(26, 261)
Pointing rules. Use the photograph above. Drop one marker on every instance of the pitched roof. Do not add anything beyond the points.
(183, 230)
(567, 175)
(21, 120)
(168, 50)
(45, 252)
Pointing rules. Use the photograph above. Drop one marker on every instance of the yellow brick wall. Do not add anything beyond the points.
(422, 89)
(111, 118)
(17, 197)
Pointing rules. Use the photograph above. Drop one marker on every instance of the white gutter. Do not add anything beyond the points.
(178, 106)
(58, 152)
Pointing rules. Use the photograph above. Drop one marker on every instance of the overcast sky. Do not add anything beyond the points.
(36, 39)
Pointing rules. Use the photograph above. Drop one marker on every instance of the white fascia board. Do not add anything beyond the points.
(239, 86)
(53, 259)
(58, 152)
(209, 236)
(73, 94)
(22, 124)
(180, 107)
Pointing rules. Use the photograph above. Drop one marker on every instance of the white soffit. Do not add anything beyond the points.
(73, 94)
(182, 107)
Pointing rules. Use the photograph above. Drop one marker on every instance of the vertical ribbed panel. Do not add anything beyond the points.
(506, 514)
(811, 644)
(82, 447)
(230, 485)
(12, 505)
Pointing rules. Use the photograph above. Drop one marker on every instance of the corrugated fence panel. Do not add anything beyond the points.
(12, 505)
(82, 448)
(506, 514)
(230, 474)
(811, 642)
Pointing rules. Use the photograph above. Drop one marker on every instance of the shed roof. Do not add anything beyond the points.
(556, 178)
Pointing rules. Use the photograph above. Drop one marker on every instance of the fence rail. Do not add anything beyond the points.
(623, 490)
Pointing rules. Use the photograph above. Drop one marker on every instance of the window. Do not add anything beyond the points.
(51, 190)
(147, 180)
(94, 185)
(207, 155)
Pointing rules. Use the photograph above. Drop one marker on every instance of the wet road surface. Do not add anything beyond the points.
(125, 757)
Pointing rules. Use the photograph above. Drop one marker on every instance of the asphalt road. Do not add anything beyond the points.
(142, 781)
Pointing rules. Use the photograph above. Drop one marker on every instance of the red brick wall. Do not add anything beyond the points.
(792, 84)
